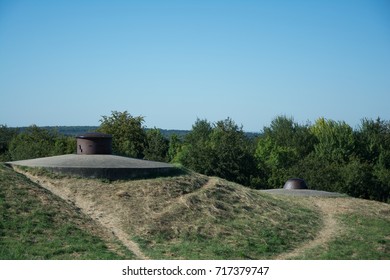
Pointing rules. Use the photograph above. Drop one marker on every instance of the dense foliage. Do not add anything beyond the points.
(219, 149)
(156, 145)
(6, 135)
(329, 155)
(128, 133)
(35, 142)
(333, 156)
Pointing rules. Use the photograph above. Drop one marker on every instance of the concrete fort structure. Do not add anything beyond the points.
(94, 143)
(295, 184)
(298, 187)
(94, 160)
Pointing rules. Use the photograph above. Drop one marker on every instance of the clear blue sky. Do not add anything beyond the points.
(70, 62)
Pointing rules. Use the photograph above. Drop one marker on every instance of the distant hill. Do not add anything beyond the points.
(66, 130)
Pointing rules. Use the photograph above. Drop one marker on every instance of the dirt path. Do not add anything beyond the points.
(328, 208)
(107, 221)
(210, 183)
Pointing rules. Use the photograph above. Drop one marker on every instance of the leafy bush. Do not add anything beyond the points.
(174, 149)
(335, 140)
(281, 146)
(196, 152)
(37, 142)
(157, 145)
(6, 135)
(221, 149)
(128, 133)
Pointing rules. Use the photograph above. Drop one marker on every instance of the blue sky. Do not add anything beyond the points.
(70, 62)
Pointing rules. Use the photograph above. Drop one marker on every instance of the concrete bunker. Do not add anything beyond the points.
(94, 159)
(94, 143)
(295, 184)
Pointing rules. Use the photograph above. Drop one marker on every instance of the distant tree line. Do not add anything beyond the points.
(77, 130)
(33, 142)
(329, 155)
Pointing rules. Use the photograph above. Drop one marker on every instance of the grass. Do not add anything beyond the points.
(228, 222)
(34, 224)
(366, 238)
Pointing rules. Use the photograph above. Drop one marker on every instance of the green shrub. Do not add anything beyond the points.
(157, 145)
(128, 133)
(37, 142)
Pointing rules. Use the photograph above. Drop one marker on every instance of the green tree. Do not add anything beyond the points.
(358, 180)
(64, 145)
(157, 145)
(319, 173)
(6, 135)
(128, 133)
(35, 142)
(231, 148)
(373, 138)
(285, 132)
(382, 175)
(221, 149)
(174, 149)
(281, 146)
(373, 149)
(196, 152)
(336, 141)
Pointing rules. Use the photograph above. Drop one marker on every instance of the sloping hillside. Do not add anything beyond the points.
(197, 217)
(35, 224)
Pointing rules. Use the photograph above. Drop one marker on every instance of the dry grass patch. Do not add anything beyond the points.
(190, 216)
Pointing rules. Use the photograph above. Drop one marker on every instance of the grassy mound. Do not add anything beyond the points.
(193, 216)
(226, 221)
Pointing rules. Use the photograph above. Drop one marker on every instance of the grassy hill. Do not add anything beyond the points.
(184, 217)
(35, 224)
